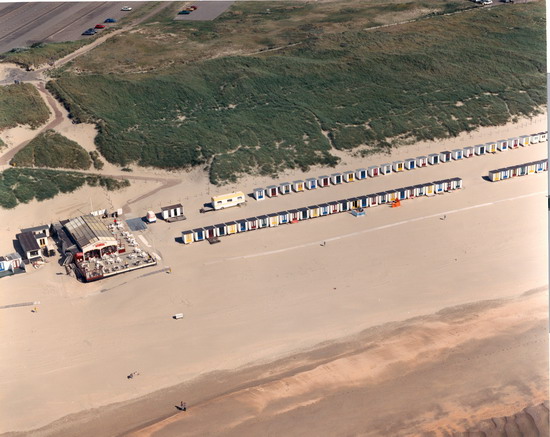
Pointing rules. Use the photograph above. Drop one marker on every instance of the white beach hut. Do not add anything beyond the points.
(422, 161)
(361, 173)
(298, 186)
(385, 168)
(373, 171)
(410, 163)
(433, 158)
(311, 183)
(259, 193)
(398, 166)
(457, 154)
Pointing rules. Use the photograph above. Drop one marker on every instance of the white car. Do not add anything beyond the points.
(126, 8)
(487, 2)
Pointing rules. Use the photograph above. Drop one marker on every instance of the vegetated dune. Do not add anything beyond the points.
(267, 112)
(530, 422)
(21, 104)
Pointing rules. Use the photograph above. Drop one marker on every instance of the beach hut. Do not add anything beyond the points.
(429, 189)
(336, 178)
(412, 192)
(187, 237)
(373, 200)
(524, 140)
(221, 229)
(433, 158)
(418, 190)
(457, 183)
(480, 149)
(273, 219)
(232, 228)
(251, 223)
(259, 193)
(398, 166)
(543, 136)
(210, 232)
(513, 143)
(421, 161)
(199, 234)
(361, 173)
(410, 163)
(541, 165)
(284, 217)
(468, 152)
(324, 209)
(344, 205)
(298, 186)
(383, 197)
(364, 201)
(323, 181)
(445, 156)
(491, 147)
(403, 193)
(349, 176)
(334, 207)
(314, 211)
(502, 145)
(494, 175)
(311, 183)
(272, 191)
(242, 225)
(505, 173)
(457, 154)
(521, 170)
(304, 213)
(514, 171)
(263, 221)
(531, 168)
(439, 187)
(391, 196)
(294, 215)
(374, 170)
(385, 168)
(534, 139)
(448, 185)
(172, 212)
(354, 202)
(285, 188)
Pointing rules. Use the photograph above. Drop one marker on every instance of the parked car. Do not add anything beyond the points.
(126, 8)
(193, 8)
(110, 20)
(100, 26)
(185, 12)
(487, 2)
(90, 31)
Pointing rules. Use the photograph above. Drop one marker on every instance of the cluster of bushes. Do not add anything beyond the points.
(98, 163)
(21, 104)
(53, 150)
(431, 79)
(18, 185)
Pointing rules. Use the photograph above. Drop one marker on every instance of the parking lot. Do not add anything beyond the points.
(205, 11)
(22, 24)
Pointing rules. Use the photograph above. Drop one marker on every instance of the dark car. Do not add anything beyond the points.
(110, 20)
(184, 12)
(90, 31)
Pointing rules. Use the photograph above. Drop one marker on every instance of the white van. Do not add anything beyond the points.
(151, 217)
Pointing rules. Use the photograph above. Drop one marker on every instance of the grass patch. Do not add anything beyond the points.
(53, 150)
(98, 163)
(261, 114)
(21, 104)
(21, 185)
(40, 53)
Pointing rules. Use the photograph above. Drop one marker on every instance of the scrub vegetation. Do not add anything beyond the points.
(53, 150)
(42, 53)
(21, 185)
(21, 104)
(333, 85)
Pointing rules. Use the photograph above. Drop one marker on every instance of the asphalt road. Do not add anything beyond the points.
(22, 24)
(205, 11)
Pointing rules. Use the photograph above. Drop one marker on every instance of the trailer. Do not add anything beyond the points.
(228, 200)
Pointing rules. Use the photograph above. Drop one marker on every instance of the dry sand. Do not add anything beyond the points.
(264, 295)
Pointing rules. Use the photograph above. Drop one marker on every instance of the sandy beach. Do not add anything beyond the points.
(320, 330)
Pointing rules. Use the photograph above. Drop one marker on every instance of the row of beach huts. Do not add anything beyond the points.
(398, 166)
(518, 170)
(294, 215)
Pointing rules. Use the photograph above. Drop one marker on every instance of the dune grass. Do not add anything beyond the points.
(261, 114)
(53, 150)
(21, 104)
(21, 185)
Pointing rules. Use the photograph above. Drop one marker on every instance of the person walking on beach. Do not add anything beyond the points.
(183, 406)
